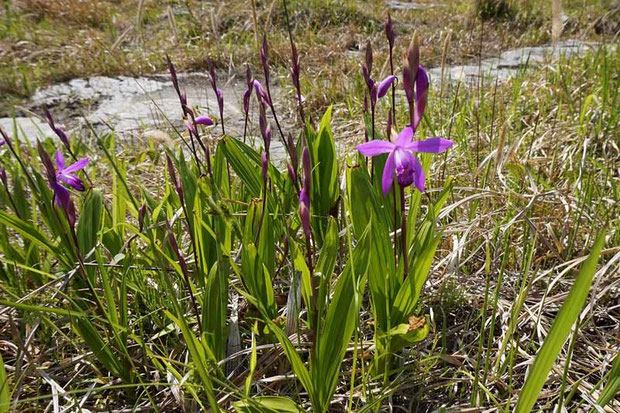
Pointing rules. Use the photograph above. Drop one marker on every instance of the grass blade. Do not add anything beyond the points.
(560, 330)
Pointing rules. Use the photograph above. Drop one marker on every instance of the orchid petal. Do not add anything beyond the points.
(61, 195)
(60, 160)
(405, 136)
(376, 147)
(388, 174)
(430, 145)
(203, 120)
(385, 85)
(80, 164)
(418, 174)
(71, 180)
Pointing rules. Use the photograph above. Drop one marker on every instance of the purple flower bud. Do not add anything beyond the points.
(408, 81)
(211, 69)
(173, 178)
(421, 96)
(307, 168)
(261, 93)
(367, 78)
(265, 130)
(246, 100)
(373, 96)
(175, 248)
(173, 73)
(304, 212)
(413, 55)
(295, 69)
(47, 163)
(3, 175)
(292, 151)
(203, 120)
(248, 76)
(369, 56)
(265, 165)
(389, 30)
(70, 211)
(57, 130)
(141, 216)
(264, 57)
(220, 101)
(291, 173)
(183, 98)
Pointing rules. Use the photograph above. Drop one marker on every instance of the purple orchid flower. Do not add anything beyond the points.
(2, 142)
(401, 158)
(66, 174)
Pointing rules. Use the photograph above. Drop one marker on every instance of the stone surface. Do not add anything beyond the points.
(28, 128)
(410, 5)
(508, 63)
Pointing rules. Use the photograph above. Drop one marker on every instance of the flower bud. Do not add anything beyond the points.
(292, 150)
(389, 30)
(291, 173)
(408, 81)
(248, 76)
(369, 56)
(173, 178)
(413, 54)
(265, 165)
(265, 130)
(261, 93)
(70, 211)
(3, 175)
(307, 167)
(141, 216)
(304, 212)
(264, 57)
(246, 100)
(220, 101)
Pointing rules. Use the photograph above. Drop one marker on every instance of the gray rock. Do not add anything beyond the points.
(508, 63)
(28, 128)
(410, 5)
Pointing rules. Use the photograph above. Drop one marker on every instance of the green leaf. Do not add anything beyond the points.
(99, 347)
(267, 404)
(90, 221)
(5, 396)
(248, 171)
(339, 322)
(613, 384)
(32, 233)
(560, 329)
(214, 309)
